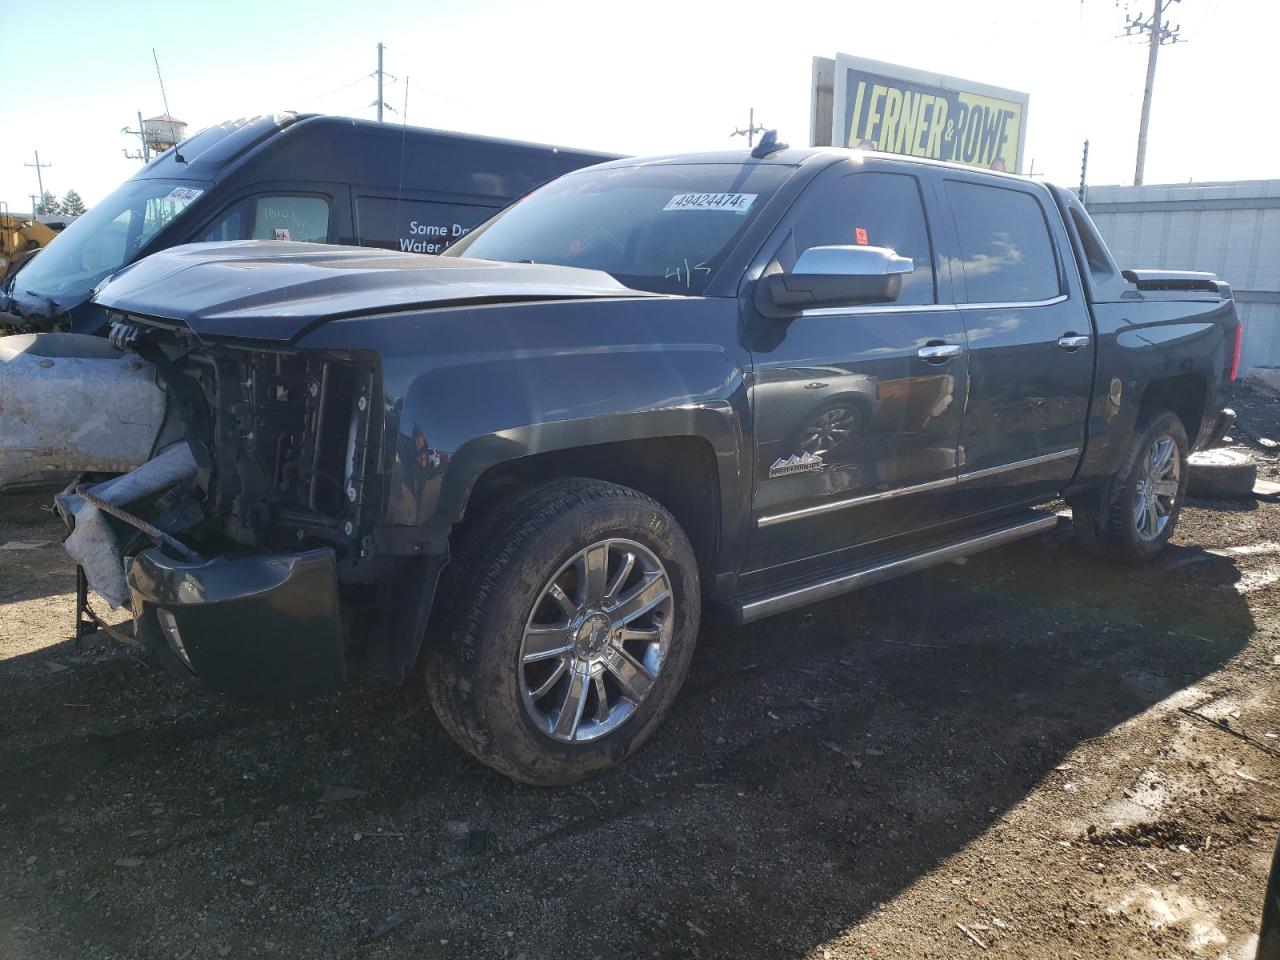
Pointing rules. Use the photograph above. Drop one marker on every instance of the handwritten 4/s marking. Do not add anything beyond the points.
(684, 274)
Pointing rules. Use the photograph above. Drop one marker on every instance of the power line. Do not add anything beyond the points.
(1157, 32)
(329, 70)
(345, 86)
(437, 93)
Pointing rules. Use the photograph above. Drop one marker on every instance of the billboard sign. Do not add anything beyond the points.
(882, 106)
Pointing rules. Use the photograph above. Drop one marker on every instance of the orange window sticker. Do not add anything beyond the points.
(861, 234)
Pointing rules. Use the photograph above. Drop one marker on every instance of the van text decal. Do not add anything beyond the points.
(431, 237)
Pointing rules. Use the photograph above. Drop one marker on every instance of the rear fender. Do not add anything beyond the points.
(1144, 342)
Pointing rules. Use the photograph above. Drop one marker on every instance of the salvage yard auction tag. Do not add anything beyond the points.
(733, 202)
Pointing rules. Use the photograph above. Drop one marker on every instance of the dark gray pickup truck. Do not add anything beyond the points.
(653, 389)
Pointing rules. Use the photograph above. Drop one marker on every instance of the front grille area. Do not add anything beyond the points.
(291, 448)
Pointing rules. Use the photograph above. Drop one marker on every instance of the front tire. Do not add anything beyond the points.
(569, 621)
(1134, 514)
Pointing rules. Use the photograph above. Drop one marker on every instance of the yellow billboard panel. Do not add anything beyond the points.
(878, 106)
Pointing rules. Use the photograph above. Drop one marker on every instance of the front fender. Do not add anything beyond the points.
(715, 421)
(469, 388)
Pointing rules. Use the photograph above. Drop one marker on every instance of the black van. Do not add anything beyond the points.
(315, 178)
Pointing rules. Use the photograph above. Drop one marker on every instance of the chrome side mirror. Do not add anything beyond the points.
(839, 276)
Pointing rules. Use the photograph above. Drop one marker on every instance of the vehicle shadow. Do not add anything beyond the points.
(815, 765)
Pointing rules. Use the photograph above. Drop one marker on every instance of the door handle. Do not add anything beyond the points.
(939, 352)
(1072, 342)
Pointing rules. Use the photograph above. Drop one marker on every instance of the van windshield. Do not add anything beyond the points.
(99, 242)
(665, 228)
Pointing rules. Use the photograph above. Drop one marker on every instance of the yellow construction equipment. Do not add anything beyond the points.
(19, 236)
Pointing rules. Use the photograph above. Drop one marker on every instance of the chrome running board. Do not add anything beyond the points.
(757, 606)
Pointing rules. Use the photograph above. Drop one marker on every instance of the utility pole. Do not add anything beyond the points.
(1084, 170)
(380, 74)
(39, 177)
(141, 132)
(1158, 33)
(751, 130)
(379, 83)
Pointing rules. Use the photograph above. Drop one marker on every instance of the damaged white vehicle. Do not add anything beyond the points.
(72, 404)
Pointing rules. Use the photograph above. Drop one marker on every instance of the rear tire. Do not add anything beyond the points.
(1134, 514)
(569, 621)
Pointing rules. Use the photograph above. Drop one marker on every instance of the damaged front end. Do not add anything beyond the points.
(239, 503)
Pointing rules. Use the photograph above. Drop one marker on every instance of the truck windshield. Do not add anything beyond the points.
(102, 240)
(665, 228)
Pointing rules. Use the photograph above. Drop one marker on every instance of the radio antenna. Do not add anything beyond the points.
(160, 77)
(404, 135)
(164, 97)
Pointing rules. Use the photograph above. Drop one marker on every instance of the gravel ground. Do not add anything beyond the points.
(1033, 754)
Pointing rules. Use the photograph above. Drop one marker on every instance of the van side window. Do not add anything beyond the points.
(415, 226)
(1006, 253)
(272, 217)
(291, 218)
(871, 209)
(228, 226)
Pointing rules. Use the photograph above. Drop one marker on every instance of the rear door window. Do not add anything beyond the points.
(1006, 253)
(415, 226)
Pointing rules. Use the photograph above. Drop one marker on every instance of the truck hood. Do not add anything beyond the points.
(276, 290)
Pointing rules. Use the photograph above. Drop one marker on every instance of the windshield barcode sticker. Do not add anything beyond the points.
(733, 202)
(183, 194)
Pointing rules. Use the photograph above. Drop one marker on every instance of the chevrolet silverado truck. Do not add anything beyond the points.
(727, 383)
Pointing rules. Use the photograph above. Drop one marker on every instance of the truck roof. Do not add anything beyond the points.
(796, 156)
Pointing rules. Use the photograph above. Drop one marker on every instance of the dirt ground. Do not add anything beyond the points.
(1016, 756)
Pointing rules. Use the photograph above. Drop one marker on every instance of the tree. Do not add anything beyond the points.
(48, 206)
(72, 205)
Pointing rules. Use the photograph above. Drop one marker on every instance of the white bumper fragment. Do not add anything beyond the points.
(71, 403)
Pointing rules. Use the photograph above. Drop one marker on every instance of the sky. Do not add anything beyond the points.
(636, 78)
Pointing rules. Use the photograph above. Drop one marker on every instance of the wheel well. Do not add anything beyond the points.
(1185, 395)
(679, 472)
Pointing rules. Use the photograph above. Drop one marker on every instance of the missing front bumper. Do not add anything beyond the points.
(253, 629)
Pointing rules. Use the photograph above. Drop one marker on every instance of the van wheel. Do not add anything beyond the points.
(571, 617)
(1134, 514)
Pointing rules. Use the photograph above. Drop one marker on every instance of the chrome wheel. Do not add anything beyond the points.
(831, 429)
(1157, 489)
(596, 640)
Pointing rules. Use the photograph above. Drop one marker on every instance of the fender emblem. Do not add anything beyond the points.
(796, 463)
